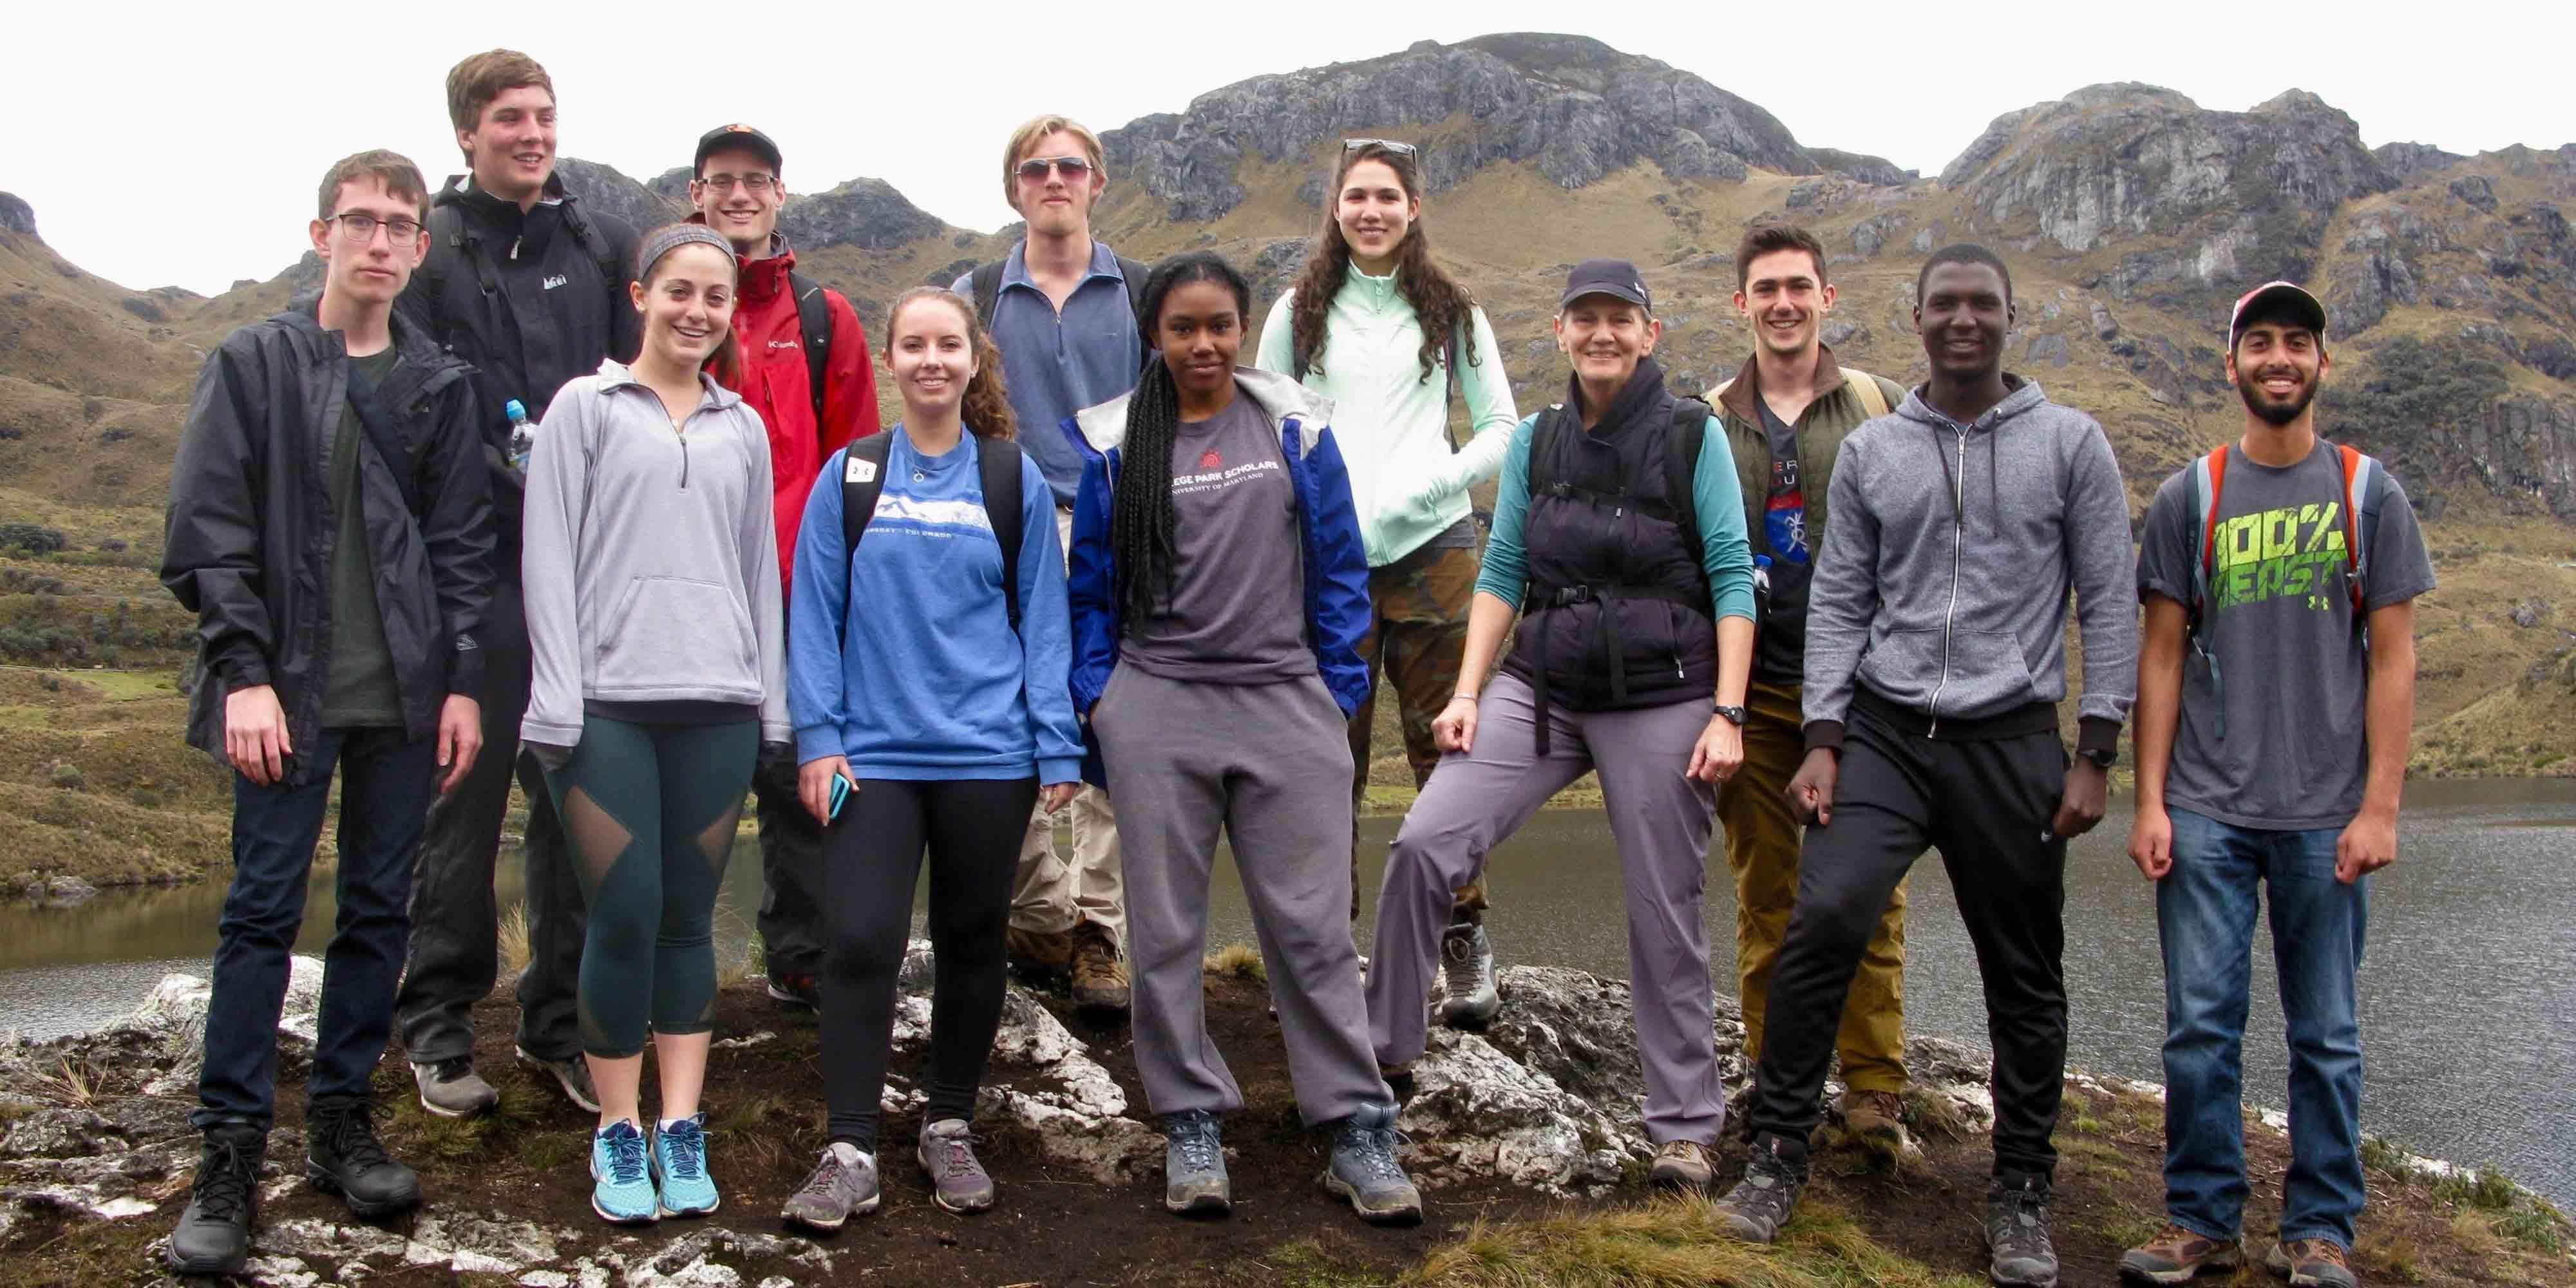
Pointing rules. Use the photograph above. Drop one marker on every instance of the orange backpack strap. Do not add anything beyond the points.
(2360, 473)
(2208, 481)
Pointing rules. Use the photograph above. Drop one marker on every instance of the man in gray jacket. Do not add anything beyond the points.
(1935, 662)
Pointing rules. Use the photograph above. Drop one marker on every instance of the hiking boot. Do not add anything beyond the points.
(1875, 1121)
(2176, 1254)
(572, 1074)
(1683, 1164)
(1099, 979)
(1038, 952)
(1467, 976)
(342, 1156)
(946, 1153)
(844, 1185)
(1364, 1169)
(2017, 1235)
(1194, 1165)
(680, 1168)
(796, 990)
(623, 1190)
(2306, 1262)
(1761, 1203)
(451, 1088)
(213, 1236)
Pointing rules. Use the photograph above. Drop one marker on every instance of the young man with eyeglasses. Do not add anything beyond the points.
(805, 368)
(529, 286)
(330, 524)
(1060, 307)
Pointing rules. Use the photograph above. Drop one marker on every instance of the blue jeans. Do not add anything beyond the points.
(2205, 916)
(386, 783)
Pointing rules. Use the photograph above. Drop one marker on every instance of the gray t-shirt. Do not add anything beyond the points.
(360, 691)
(1237, 613)
(2293, 670)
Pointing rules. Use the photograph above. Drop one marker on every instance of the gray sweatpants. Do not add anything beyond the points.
(1660, 819)
(1271, 763)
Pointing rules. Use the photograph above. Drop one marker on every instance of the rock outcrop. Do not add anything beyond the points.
(16, 216)
(1574, 108)
(606, 190)
(866, 213)
(1867, 169)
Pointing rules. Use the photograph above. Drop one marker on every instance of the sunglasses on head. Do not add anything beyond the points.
(1074, 169)
(1397, 146)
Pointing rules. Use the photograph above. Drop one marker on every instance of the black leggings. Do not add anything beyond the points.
(871, 857)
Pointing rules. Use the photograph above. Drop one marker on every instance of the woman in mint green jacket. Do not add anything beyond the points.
(1392, 339)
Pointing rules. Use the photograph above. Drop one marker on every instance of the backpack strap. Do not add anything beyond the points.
(862, 481)
(814, 332)
(2361, 475)
(1864, 386)
(999, 459)
(612, 274)
(1681, 467)
(986, 285)
(1133, 274)
(2208, 480)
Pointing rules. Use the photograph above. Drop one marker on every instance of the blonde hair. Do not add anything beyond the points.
(1026, 138)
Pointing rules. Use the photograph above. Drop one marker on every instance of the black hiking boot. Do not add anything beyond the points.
(2017, 1234)
(213, 1237)
(342, 1156)
(1760, 1204)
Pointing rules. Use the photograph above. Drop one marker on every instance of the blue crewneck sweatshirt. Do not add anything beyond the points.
(928, 680)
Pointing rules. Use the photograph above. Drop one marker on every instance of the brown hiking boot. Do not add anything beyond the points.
(2310, 1263)
(1099, 979)
(1876, 1122)
(2176, 1254)
(1038, 952)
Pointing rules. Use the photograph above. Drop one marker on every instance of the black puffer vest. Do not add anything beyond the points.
(1617, 614)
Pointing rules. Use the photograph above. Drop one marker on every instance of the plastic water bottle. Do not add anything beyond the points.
(523, 435)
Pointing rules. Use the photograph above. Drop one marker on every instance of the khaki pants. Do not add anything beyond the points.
(1417, 636)
(1762, 845)
(1053, 894)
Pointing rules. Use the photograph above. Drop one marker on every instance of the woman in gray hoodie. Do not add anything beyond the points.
(655, 634)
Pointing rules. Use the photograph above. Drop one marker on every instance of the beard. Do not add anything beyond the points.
(2275, 413)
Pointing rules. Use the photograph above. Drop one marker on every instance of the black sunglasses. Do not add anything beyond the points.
(1397, 146)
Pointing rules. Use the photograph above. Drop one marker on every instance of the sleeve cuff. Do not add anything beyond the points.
(1060, 771)
(1825, 735)
(465, 669)
(2096, 734)
(813, 742)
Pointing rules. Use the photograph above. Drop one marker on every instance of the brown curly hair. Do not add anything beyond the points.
(1439, 302)
(987, 406)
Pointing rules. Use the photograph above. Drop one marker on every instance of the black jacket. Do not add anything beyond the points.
(251, 523)
(530, 300)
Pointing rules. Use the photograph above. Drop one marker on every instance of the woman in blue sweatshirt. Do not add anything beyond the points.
(938, 716)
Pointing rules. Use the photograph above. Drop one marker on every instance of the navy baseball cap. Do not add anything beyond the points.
(732, 137)
(1616, 278)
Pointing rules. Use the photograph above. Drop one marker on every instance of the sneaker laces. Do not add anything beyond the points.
(349, 1132)
(826, 1179)
(451, 1068)
(625, 1154)
(686, 1144)
(222, 1189)
(1458, 965)
(1194, 1137)
(960, 1150)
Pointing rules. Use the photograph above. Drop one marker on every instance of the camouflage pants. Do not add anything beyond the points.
(1417, 637)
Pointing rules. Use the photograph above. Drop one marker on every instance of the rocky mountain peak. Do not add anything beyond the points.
(605, 189)
(16, 216)
(1575, 108)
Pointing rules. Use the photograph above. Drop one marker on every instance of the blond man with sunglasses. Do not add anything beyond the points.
(1061, 308)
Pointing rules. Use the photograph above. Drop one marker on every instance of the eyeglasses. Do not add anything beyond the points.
(1074, 169)
(755, 184)
(1397, 146)
(357, 229)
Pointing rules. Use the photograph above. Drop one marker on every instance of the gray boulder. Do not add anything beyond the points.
(604, 189)
(16, 216)
(866, 213)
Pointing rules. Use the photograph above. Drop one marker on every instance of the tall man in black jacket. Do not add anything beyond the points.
(330, 524)
(528, 286)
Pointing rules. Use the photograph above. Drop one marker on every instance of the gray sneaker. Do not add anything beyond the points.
(1467, 976)
(844, 1185)
(947, 1156)
(1761, 1203)
(1194, 1165)
(572, 1074)
(451, 1089)
(1364, 1170)
(2017, 1235)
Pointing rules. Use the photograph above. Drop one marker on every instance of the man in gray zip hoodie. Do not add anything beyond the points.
(1935, 661)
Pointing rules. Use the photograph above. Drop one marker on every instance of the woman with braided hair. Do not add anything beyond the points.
(1220, 590)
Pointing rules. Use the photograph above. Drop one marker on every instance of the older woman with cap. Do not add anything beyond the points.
(654, 630)
(1619, 542)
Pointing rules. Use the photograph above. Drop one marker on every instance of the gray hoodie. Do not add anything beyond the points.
(649, 558)
(1942, 584)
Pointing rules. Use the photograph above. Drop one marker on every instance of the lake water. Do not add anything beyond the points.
(2468, 997)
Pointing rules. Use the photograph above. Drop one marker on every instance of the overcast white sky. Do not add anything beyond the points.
(185, 146)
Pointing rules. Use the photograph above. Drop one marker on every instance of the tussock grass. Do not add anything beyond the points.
(2390, 1254)
(1238, 961)
(514, 941)
(756, 1129)
(507, 1130)
(71, 1084)
(1667, 1244)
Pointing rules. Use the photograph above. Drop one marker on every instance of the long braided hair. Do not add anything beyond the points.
(1140, 506)
(986, 407)
(1439, 302)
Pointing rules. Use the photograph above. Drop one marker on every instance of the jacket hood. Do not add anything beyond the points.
(2022, 395)
(1740, 395)
(1103, 427)
(461, 190)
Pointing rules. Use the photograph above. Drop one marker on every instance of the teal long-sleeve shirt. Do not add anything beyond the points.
(1714, 493)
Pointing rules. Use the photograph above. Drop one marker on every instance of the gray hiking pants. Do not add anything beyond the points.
(1271, 764)
(1660, 819)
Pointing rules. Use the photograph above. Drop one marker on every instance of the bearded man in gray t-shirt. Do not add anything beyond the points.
(2276, 689)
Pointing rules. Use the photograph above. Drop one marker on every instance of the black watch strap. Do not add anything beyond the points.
(1734, 715)
(2102, 757)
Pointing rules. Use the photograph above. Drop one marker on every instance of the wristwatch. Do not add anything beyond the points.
(2102, 757)
(1734, 715)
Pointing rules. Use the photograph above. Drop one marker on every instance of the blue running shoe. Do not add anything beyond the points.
(680, 1168)
(623, 1194)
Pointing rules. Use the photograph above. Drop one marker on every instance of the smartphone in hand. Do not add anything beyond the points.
(842, 787)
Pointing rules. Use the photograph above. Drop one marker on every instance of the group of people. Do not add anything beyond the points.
(527, 492)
